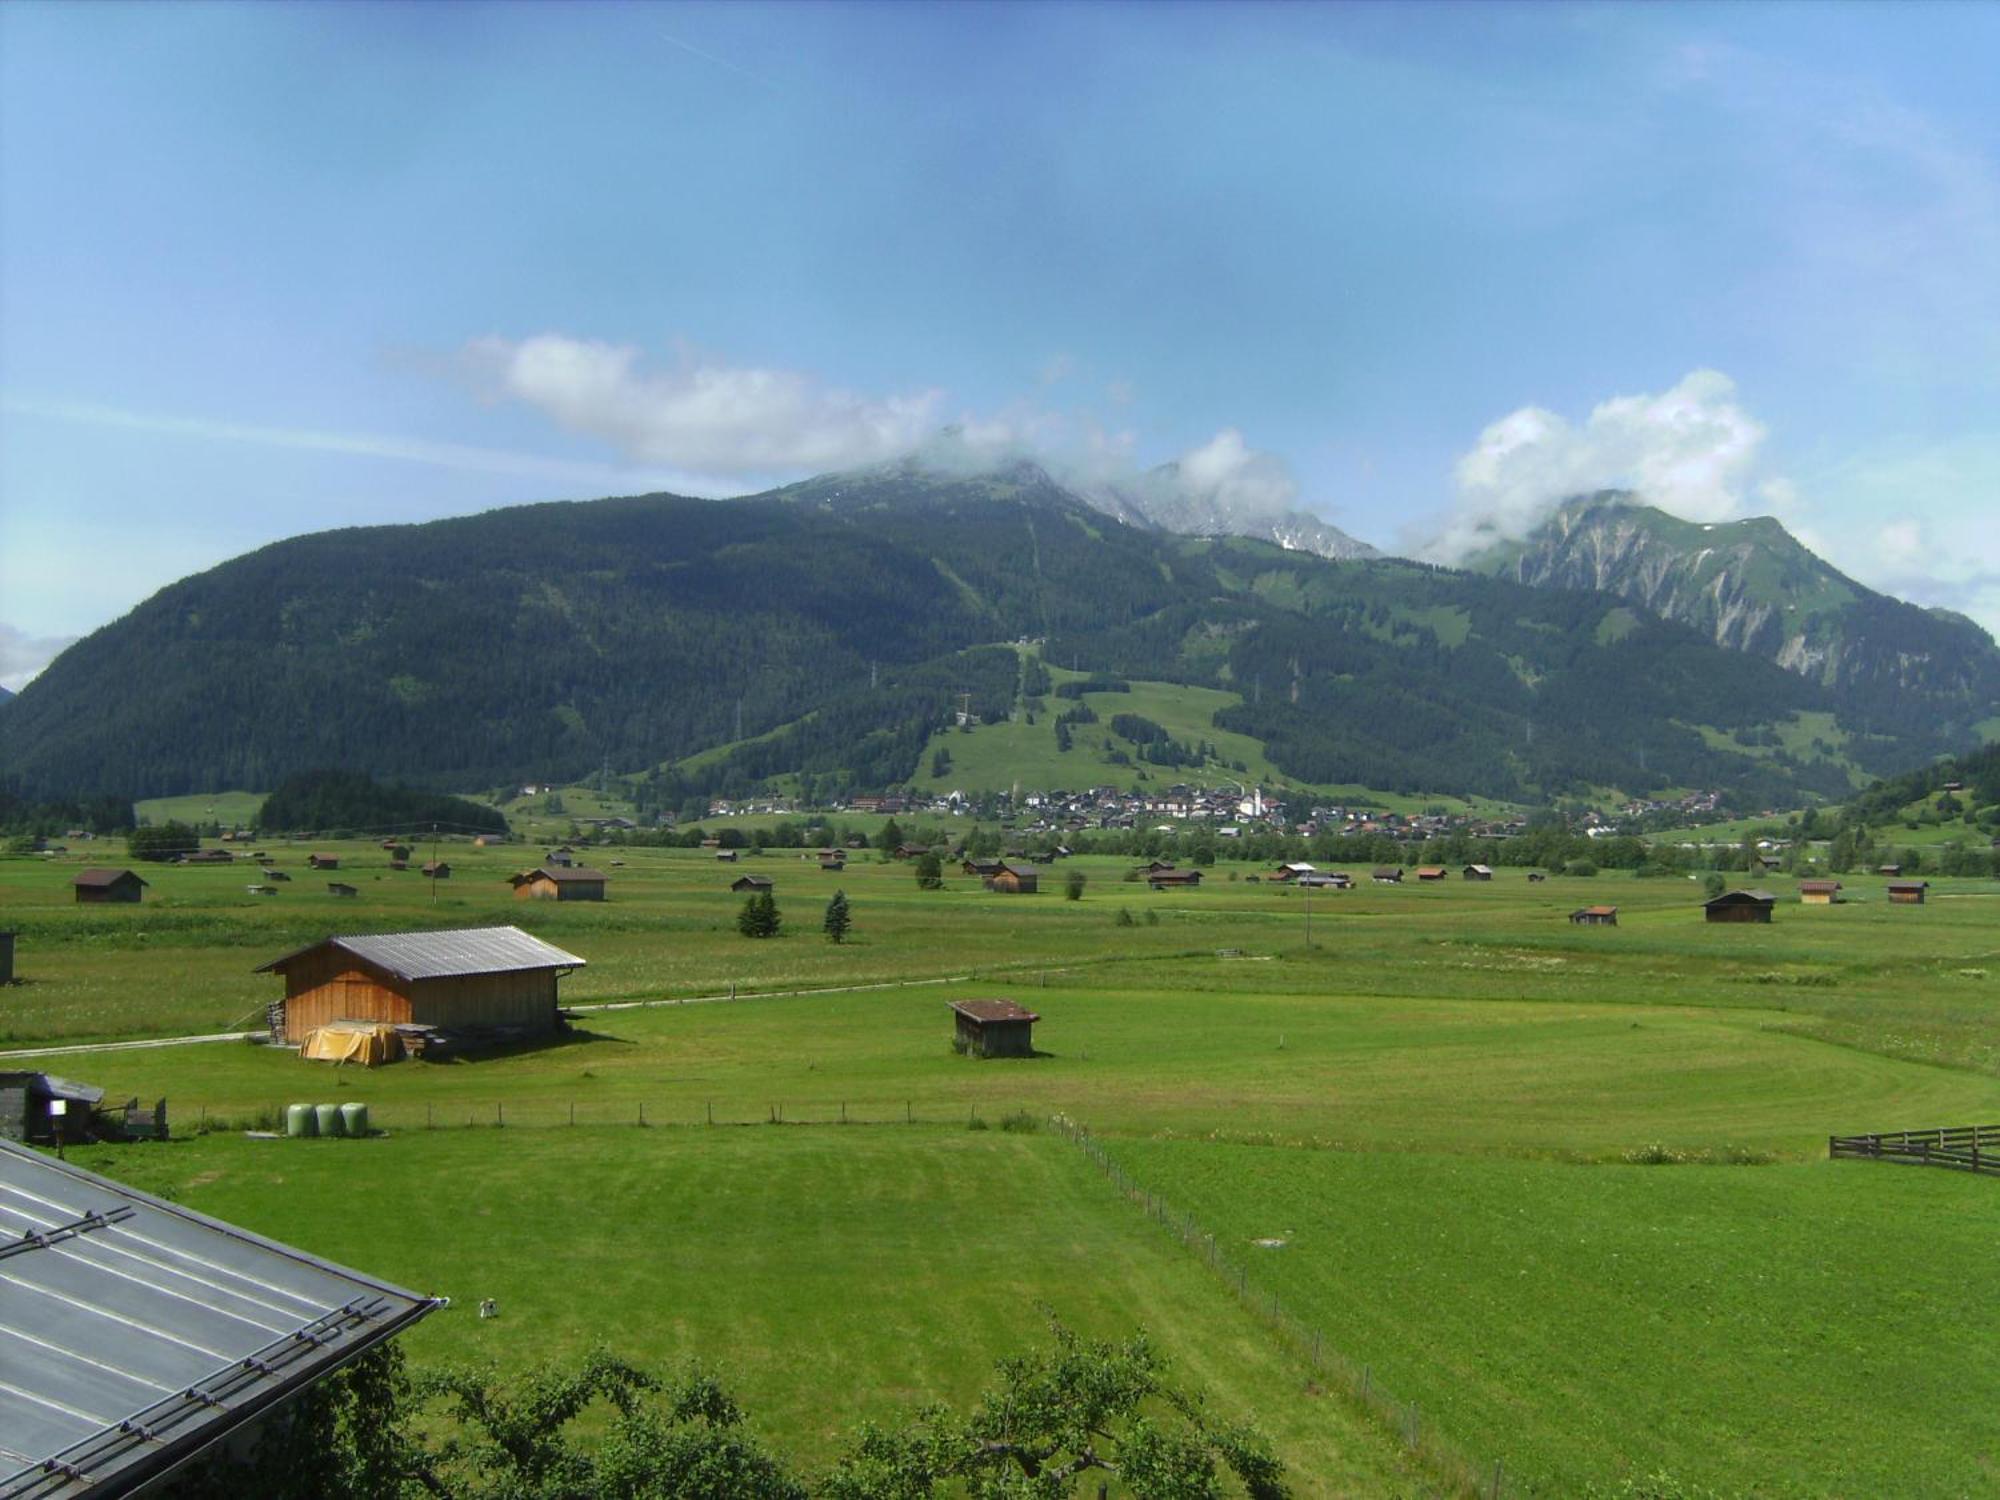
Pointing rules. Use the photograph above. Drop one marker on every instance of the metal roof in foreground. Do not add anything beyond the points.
(445, 955)
(134, 1333)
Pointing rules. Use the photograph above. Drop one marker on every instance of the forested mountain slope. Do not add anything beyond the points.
(829, 628)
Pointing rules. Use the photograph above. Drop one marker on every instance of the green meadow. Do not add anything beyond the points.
(1558, 1194)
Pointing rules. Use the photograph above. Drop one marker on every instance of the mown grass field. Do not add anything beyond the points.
(1437, 1107)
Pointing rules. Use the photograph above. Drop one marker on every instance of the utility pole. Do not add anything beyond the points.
(434, 864)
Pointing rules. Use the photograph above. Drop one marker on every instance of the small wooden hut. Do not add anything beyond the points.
(341, 888)
(1478, 872)
(993, 1028)
(1159, 879)
(1819, 892)
(573, 883)
(751, 885)
(1431, 872)
(1014, 880)
(95, 886)
(1740, 906)
(323, 861)
(1908, 892)
(1386, 875)
(437, 869)
(1595, 916)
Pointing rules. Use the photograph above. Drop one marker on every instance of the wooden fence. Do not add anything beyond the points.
(1969, 1148)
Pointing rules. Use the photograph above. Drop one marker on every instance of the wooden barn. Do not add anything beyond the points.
(437, 869)
(1431, 872)
(469, 979)
(1595, 916)
(1014, 880)
(1819, 892)
(835, 861)
(1478, 872)
(572, 883)
(1386, 875)
(993, 1028)
(341, 888)
(1314, 880)
(28, 1112)
(1908, 892)
(94, 886)
(751, 885)
(1291, 871)
(323, 861)
(1740, 906)
(983, 868)
(1159, 879)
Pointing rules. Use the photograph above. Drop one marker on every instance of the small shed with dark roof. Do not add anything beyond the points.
(1595, 916)
(1386, 875)
(570, 883)
(94, 886)
(1740, 906)
(1908, 892)
(1018, 880)
(751, 885)
(479, 978)
(993, 1028)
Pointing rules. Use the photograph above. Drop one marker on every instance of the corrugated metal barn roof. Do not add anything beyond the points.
(444, 955)
(134, 1333)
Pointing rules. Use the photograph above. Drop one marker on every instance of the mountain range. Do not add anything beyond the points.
(830, 633)
(1750, 585)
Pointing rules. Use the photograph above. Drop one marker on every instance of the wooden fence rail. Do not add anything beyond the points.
(1965, 1148)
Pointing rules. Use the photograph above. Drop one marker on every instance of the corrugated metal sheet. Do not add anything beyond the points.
(446, 955)
(134, 1333)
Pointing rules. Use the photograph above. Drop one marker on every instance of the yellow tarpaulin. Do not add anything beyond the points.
(369, 1043)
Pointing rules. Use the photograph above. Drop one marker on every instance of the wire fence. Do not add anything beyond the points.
(393, 1116)
(1453, 1471)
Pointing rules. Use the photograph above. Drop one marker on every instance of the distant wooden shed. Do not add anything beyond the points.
(1014, 880)
(1478, 872)
(467, 979)
(1431, 872)
(751, 885)
(1170, 876)
(1740, 906)
(323, 861)
(94, 886)
(1908, 892)
(437, 869)
(993, 1028)
(1595, 916)
(574, 883)
(28, 1112)
(1819, 892)
(341, 888)
(1386, 875)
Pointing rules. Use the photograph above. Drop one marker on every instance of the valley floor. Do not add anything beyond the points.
(1555, 1197)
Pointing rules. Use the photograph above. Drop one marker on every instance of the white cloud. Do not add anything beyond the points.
(715, 418)
(1689, 450)
(22, 656)
(1236, 478)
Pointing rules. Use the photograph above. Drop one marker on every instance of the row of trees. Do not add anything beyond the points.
(760, 917)
(1064, 1419)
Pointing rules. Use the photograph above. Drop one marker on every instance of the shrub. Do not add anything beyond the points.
(1021, 1122)
(1124, 917)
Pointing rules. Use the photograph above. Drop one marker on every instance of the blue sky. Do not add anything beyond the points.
(269, 269)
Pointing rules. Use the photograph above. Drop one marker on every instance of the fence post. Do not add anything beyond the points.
(908, 1117)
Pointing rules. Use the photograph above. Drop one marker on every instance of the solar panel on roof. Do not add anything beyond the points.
(134, 1333)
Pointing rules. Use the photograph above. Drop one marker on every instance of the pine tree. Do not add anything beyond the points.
(759, 917)
(838, 920)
